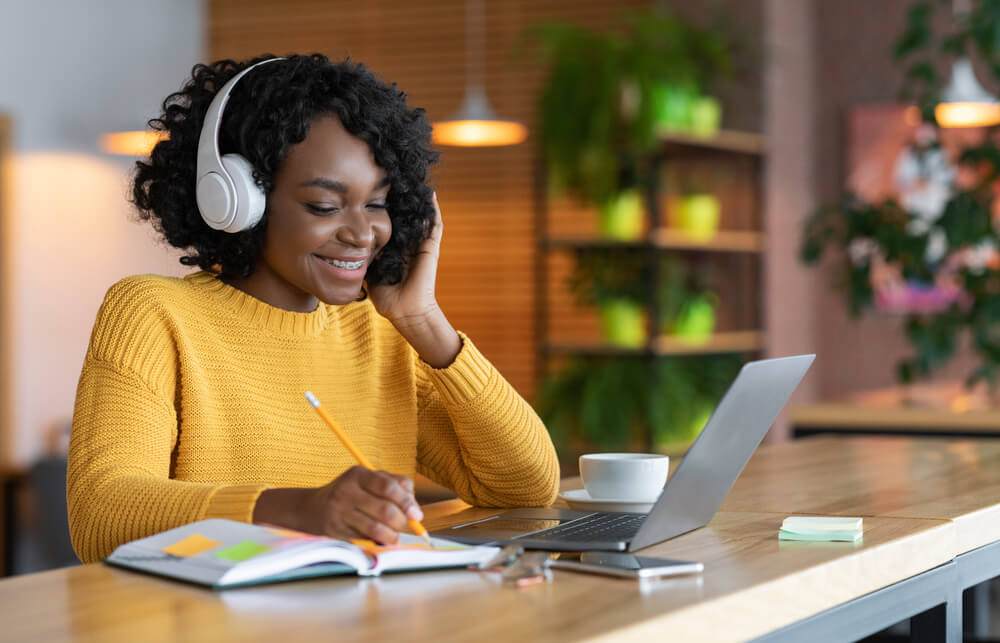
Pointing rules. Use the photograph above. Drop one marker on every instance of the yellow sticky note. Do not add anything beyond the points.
(191, 546)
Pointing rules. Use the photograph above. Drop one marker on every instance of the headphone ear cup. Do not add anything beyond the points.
(250, 199)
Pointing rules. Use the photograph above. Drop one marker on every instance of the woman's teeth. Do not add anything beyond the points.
(346, 265)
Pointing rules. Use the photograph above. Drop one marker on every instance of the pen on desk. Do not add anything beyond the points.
(360, 457)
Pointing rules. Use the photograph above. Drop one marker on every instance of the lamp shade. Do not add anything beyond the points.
(964, 102)
(476, 124)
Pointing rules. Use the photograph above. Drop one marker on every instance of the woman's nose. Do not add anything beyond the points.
(357, 229)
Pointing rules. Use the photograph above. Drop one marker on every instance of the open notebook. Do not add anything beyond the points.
(224, 553)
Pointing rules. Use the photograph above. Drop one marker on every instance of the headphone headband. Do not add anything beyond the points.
(227, 197)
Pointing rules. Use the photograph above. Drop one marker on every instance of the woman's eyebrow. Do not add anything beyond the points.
(338, 186)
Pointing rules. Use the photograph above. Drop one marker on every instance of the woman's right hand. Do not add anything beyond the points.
(359, 503)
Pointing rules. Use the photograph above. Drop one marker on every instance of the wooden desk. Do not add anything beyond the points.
(940, 409)
(929, 478)
(753, 584)
(846, 418)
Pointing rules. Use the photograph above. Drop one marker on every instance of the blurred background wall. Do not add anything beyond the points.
(853, 42)
(72, 71)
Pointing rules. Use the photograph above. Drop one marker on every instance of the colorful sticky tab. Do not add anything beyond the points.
(242, 551)
(287, 533)
(374, 549)
(191, 546)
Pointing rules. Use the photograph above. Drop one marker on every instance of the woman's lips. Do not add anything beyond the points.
(344, 272)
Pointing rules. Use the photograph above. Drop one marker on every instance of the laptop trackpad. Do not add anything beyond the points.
(510, 524)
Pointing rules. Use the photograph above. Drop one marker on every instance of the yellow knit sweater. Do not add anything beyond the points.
(191, 403)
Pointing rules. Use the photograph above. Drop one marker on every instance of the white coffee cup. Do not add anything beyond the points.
(624, 476)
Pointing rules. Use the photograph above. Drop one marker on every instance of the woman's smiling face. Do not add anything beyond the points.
(327, 221)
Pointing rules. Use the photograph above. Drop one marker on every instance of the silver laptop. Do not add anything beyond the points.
(692, 495)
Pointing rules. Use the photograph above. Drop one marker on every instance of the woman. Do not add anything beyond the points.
(190, 403)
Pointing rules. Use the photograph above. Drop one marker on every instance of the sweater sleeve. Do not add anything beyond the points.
(479, 437)
(118, 485)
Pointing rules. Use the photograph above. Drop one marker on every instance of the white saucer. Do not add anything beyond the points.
(580, 499)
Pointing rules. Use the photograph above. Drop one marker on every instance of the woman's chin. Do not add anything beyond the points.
(339, 297)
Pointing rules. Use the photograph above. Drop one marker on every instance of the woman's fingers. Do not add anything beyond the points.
(397, 490)
(438, 231)
(371, 528)
(370, 504)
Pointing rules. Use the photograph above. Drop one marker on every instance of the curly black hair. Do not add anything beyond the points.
(270, 109)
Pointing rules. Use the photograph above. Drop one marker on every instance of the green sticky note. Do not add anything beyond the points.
(242, 551)
(844, 536)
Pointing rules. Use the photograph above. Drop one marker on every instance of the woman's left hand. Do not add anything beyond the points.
(412, 307)
(412, 300)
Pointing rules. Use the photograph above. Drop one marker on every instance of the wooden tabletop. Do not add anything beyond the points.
(752, 584)
(935, 478)
(905, 419)
(921, 499)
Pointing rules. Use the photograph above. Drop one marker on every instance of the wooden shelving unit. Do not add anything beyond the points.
(723, 141)
(746, 341)
(723, 241)
(733, 342)
(730, 164)
(670, 239)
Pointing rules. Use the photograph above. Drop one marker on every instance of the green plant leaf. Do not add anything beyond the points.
(917, 33)
(595, 147)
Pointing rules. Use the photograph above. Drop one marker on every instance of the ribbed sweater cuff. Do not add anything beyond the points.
(466, 377)
(235, 502)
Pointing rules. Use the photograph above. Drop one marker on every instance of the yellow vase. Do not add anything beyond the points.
(622, 216)
(700, 214)
(623, 323)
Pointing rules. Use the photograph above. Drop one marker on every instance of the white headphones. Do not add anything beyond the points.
(227, 196)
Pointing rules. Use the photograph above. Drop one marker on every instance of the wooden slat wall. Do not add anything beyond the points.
(486, 276)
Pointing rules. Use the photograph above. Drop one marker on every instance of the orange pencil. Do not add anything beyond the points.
(360, 457)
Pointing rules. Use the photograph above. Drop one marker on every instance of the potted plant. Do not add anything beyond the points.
(606, 98)
(686, 304)
(942, 273)
(612, 279)
(688, 390)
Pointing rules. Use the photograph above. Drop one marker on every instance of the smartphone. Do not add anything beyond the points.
(625, 565)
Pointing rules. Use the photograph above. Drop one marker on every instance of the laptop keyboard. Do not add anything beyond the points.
(595, 528)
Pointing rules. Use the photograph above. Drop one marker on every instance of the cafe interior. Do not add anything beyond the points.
(639, 197)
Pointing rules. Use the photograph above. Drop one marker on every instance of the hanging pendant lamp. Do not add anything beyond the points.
(133, 143)
(475, 123)
(964, 102)
(132, 137)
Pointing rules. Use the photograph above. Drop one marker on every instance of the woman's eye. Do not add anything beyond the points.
(321, 210)
(376, 206)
